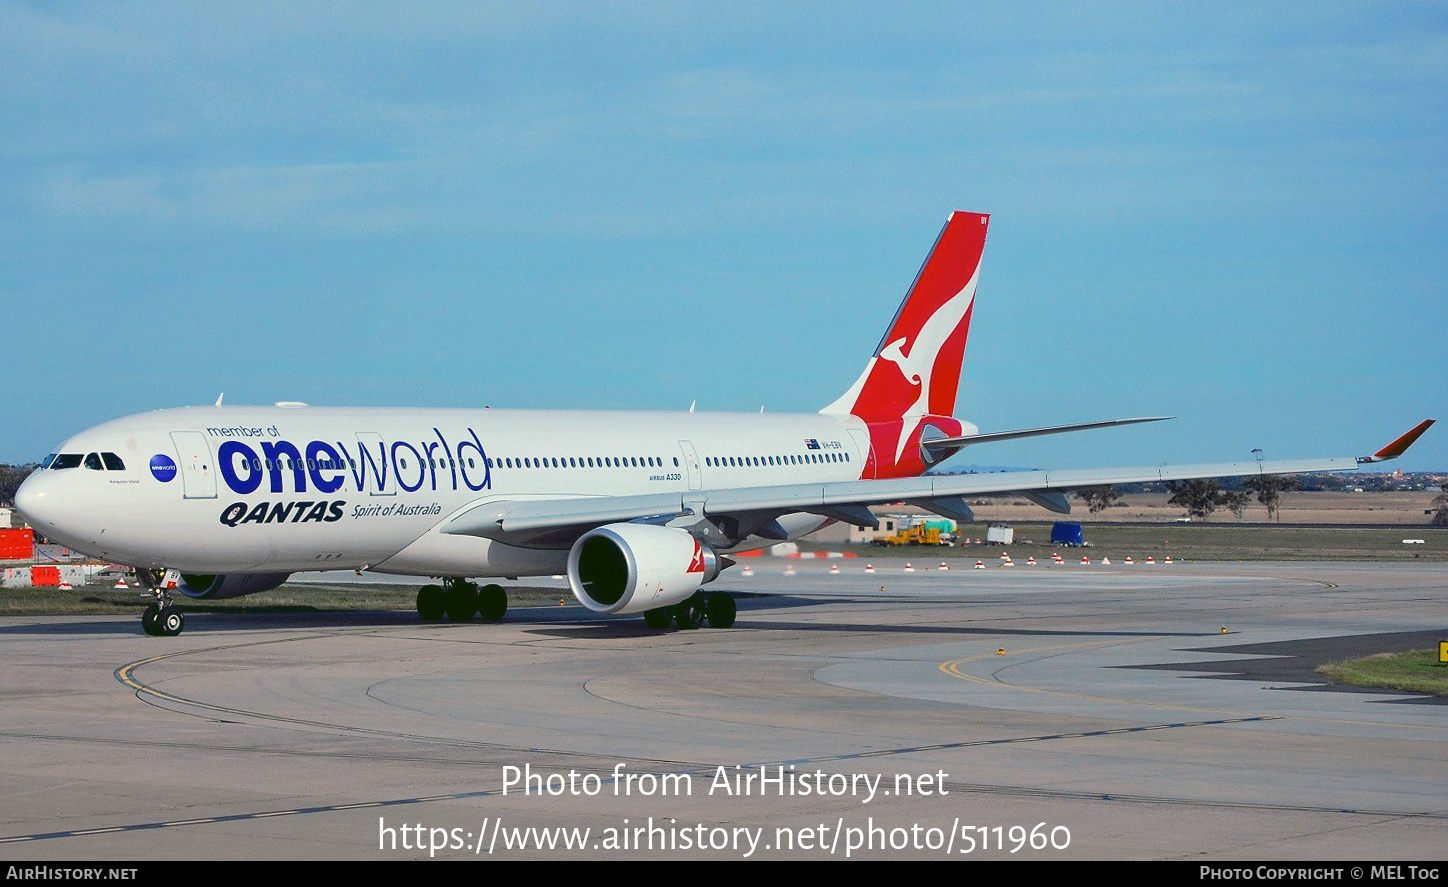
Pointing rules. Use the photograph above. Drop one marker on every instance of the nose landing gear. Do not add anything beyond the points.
(161, 618)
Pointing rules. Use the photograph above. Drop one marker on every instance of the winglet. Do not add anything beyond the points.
(1399, 446)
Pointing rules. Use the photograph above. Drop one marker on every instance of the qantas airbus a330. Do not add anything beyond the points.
(639, 509)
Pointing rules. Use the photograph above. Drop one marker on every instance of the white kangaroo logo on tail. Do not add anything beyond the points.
(918, 365)
(924, 344)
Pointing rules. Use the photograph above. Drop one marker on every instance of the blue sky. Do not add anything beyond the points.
(1234, 214)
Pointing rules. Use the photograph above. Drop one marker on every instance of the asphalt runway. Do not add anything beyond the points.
(1093, 712)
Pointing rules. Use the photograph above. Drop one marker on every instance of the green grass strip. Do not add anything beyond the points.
(1418, 671)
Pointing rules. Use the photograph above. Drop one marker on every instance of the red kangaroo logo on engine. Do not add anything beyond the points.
(696, 564)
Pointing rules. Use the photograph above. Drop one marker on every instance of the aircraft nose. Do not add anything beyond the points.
(35, 501)
(30, 499)
(49, 502)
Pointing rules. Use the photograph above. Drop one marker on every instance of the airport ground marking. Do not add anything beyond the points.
(240, 817)
(953, 668)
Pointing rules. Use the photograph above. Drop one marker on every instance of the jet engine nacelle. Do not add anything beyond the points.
(234, 585)
(629, 568)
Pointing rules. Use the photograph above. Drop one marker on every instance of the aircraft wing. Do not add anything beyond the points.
(752, 510)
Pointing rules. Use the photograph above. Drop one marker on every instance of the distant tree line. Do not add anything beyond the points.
(1098, 499)
(1202, 497)
(1313, 483)
(11, 476)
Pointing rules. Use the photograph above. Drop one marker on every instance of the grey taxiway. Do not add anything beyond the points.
(1095, 712)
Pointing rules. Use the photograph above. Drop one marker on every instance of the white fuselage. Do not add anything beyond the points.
(238, 489)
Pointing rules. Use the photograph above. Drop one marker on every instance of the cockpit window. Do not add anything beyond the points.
(46, 464)
(93, 462)
(67, 460)
(113, 462)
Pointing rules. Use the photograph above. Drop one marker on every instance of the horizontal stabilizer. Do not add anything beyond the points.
(945, 443)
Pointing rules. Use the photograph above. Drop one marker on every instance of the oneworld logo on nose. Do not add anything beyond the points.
(163, 468)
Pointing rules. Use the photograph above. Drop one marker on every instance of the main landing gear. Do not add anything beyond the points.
(460, 600)
(717, 607)
(161, 618)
